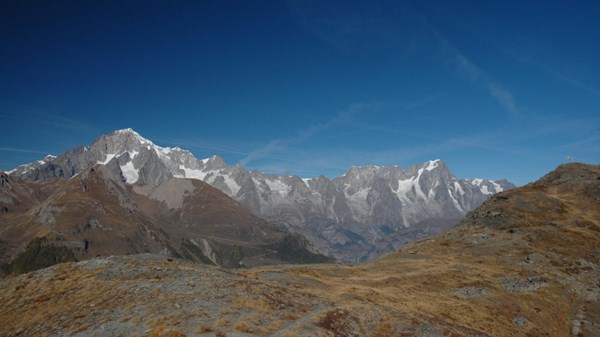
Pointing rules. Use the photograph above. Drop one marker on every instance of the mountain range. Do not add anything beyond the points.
(361, 214)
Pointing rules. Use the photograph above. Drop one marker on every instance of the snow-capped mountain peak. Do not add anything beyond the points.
(33, 165)
(432, 164)
(489, 187)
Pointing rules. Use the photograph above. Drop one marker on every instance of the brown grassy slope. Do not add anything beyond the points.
(90, 207)
(17, 199)
(526, 263)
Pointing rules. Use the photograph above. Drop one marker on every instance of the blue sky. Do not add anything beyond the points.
(497, 89)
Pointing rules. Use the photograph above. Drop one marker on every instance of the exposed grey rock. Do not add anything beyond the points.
(514, 284)
(171, 192)
(520, 321)
(468, 292)
(576, 327)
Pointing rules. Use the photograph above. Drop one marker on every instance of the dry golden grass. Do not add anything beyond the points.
(169, 320)
(204, 329)
(243, 327)
(165, 332)
(254, 304)
(275, 325)
(221, 322)
(290, 334)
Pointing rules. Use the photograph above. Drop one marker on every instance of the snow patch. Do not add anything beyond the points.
(109, 157)
(234, 187)
(210, 176)
(163, 153)
(130, 173)
(455, 202)
(278, 186)
(375, 236)
(458, 188)
(497, 187)
(476, 182)
(432, 165)
(208, 251)
(404, 186)
(431, 194)
(418, 186)
(358, 196)
(139, 137)
(190, 173)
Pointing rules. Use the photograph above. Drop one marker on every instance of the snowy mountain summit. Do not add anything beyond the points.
(363, 213)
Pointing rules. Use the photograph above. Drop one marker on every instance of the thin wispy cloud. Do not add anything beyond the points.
(12, 149)
(32, 116)
(535, 62)
(552, 71)
(558, 125)
(337, 161)
(229, 146)
(474, 73)
(68, 123)
(504, 141)
(282, 144)
(356, 26)
(288, 155)
(418, 103)
(346, 123)
(503, 96)
(590, 145)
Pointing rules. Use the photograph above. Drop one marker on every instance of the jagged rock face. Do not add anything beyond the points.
(350, 217)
